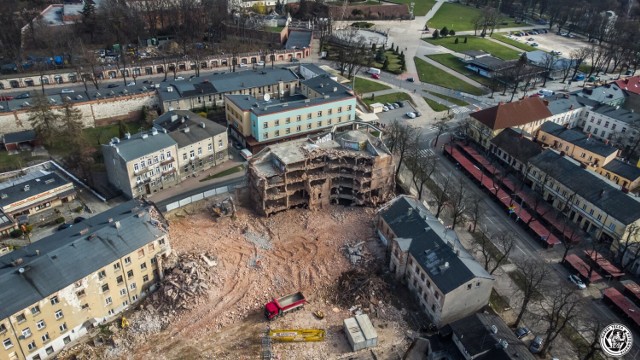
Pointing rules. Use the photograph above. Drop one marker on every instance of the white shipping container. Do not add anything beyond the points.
(354, 334)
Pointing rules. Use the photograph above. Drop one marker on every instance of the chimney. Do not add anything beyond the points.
(571, 107)
(174, 117)
(589, 136)
(116, 224)
(182, 120)
(17, 262)
(562, 153)
(110, 220)
(27, 187)
(546, 102)
(127, 136)
(606, 141)
(202, 125)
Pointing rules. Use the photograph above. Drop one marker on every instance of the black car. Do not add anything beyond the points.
(78, 219)
(23, 96)
(522, 332)
(64, 226)
(411, 79)
(111, 86)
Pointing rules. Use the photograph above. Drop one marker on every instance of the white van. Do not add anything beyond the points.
(246, 154)
(374, 71)
(546, 92)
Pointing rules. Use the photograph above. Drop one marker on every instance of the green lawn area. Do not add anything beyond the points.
(476, 43)
(96, 136)
(394, 63)
(365, 85)
(387, 98)
(420, 8)
(275, 29)
(518, 44)
(449, 99)
(435, 106)
(452, 62)
(433, 75)
(229, 171)
(18, 161)
(461, 18)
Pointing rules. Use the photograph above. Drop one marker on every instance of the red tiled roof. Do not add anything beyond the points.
(515, 113)
(630, 84)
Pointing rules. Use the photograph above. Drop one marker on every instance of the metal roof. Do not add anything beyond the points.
(142, 144)
(618, 113)
(18, 137)
(298, 39)
(65, 257)
(17, 192)
(578, 139)
(177, 121)
(627, 171)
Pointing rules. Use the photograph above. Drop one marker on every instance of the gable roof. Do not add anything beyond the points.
(579, 139)
(19, 136)
(630, 84)
(606, 94)
(141, 144)
(65, 257)
(589, 186)
(431, 243)
(176, 121)
(516, 145)
(515, 113)
(627, 171)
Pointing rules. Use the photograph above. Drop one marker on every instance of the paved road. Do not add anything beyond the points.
(234, 181)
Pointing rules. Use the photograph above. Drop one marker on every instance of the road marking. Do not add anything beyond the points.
(522, 251)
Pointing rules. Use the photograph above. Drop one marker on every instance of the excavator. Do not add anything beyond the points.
(297, 335)
(224, 208)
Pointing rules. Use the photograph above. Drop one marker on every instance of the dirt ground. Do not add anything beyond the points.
(258, 259)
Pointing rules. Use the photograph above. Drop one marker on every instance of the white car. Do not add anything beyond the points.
(411, 115)
(576, 280)
(179, 78)
(260, 63)
(67, 91)
(243, 65)
(384, 108)
(133, 83)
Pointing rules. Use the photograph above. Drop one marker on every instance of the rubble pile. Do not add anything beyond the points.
(361, 289)
(261, 241)
(355, 252)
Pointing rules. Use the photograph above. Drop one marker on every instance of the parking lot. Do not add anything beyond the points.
(553, 42)
(387, 117)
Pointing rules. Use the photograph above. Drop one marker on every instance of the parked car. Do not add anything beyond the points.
(64, 226)
(411, 115)
(5, 97)
(384, 108)
(78, 219)
(111, 86)
(575, 279)
(23, 96)
(179, 78)
(67, 91)
(531, 39)
(534, 44)
(536, 344)
(579, 77)
(411, 79)
(237, 146)
(133, 83)
(260, 63)
(243, 65)
(400, 104)
(375, 76)
(554, 52)
(522, 332)
(418, 114)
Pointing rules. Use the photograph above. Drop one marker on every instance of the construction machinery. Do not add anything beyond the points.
(124, 323)
(297, 335)
(224, 208)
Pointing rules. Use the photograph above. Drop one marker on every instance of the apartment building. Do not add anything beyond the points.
(579, 146)
(351, 168)
(526, 115)
(621, 173)
(202, 143)
(631, 88)
(514, 149)
(320, 104)
(568, 109)
(611, 123)
(143, 163)
(35, 192)
(446, 280)
(598, 206)
(209, 91)
(58, 288)
(609, 94)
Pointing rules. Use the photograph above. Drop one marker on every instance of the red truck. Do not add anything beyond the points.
(280, 306)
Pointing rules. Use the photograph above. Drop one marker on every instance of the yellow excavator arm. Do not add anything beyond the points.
(297, 335)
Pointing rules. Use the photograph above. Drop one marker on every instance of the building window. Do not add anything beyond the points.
(599, 121)
(330, 111)
(21, 318)
(7, 343)
(35, 310)
(54, 300)
(116, 266)
(299, 118)
(288, 120)
(63, 326)
(108, 301)
(277, 133)
(111, 312)
(340, 109)
(298, 128)
(127, 260)
(125, 303)
(612, 227)
(348, 107)
(105, 287)
(168, 155)
(45, 337)
(143, 266)
(80, 293)
(140, 253)
(339, 118)
(319, 123)
(309, 116)
(145, 278)
(433, 307)
(3, 329)
(265, 125)
(136, 168)
(132, 286)
(220, 143)
(591, 212)
(130, 274)
(134, 297)
(613, 127)
(41, 325)
(153, 261)
(319, 113)
(210, 147)
(287, 131)
(59, 314)
(31, 346)
(277, 123)
(584, 207)
(266, 135)
(26, 333)
(437, 295)
(329, 122)
(589, 128)
(102, 274)
(119, 279)
(123, 292)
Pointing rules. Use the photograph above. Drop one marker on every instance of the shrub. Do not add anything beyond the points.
(455, 42)
(452, 32)
(444, 32)
(361, 24)
(436, 34)
(60, 220)
(16, 233)
(78, 209)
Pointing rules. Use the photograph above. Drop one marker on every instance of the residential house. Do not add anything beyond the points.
(485, 336)
(624, 174)
(597, 205)
(527, 115)
(21, 140)
(59, 288)
(201, 142)
(320, 104)
(615, 124)
(209, 91)
(143, 163)
(577, 145)
(34, 193)
(609, 94)
(631, 88)
(447, 281)
(568, 109)
(514, 148)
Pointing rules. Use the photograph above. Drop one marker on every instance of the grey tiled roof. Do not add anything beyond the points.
(298, 39)
(199, 128)
(142, 144)
(620, 114)
(602, 94)
(561, 103)
(66, 256)
(431, 240)
(627, 171)
(516, 145)
(578, 139)
(589, 186)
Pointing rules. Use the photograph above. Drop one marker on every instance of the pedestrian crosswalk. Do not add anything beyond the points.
(425, 153)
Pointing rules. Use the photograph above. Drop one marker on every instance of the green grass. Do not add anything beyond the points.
(476, 43)
(420, 8)
(394, 63)
(571, 334)
(435, 106)
(433, 75)
(388, 98)
(17, 161)
(366, 86)
(274, 29)
(96, 136)
(518, 44)
(498, 302)
(229, 171)
(452, 62)
(449, 99)
(461, 18)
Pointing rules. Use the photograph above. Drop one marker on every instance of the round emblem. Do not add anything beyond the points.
(616, 340)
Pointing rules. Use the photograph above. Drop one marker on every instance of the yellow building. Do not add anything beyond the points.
(58, 288)
(526, 115)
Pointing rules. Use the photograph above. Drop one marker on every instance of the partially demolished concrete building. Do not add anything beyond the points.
(351, 168)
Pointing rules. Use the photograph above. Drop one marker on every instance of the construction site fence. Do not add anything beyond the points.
(201, 196)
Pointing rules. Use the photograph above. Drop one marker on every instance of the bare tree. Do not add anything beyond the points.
(441, 126)
(458, 201)
(577, 57)
(441, 192)
(558, 309)
(534, 272)
(400, 139)
(625, 245)
(421, 167)
(476, 211)
(591, 329)
(549, 61)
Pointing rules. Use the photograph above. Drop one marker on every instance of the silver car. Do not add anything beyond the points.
(577, 281)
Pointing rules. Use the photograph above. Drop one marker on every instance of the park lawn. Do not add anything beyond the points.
(461, 18)
(366, 86)
(433, 75)
(222, 173)
(449, 99)
(435, 106)
(394, 63)
(518, 44)
(274, 29)
(475, 43)
(420, 7)
(387, 98)
(453, 63)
